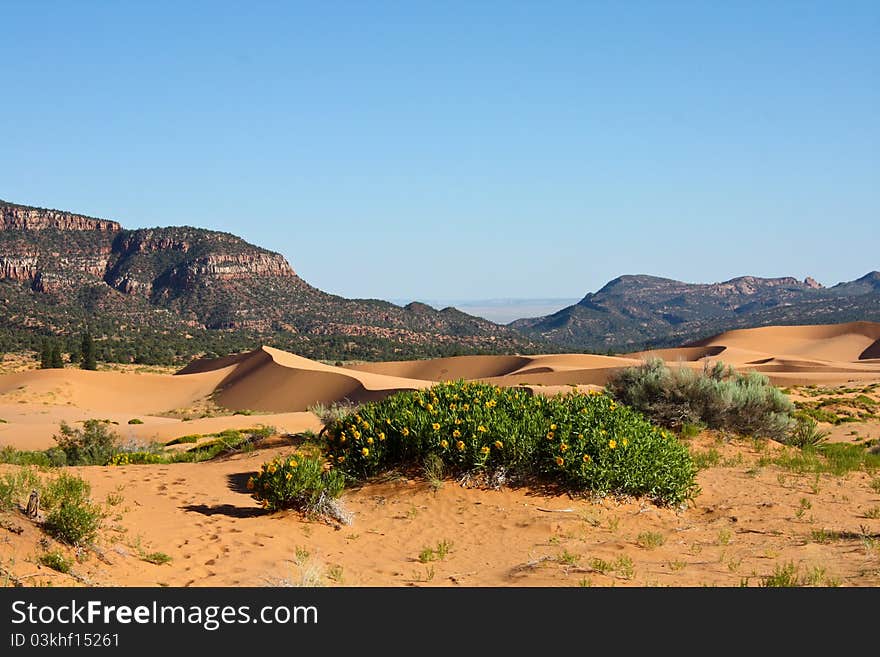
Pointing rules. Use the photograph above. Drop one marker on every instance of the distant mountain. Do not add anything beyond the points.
(500, 311)
(163, 294)
(636, 312)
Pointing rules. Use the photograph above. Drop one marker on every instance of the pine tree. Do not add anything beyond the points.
(88, 352)
(56, 360)
(46, 355)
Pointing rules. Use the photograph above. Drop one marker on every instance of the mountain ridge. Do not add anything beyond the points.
(638, 311)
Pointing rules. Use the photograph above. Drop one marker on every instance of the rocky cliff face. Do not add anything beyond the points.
(22, 217)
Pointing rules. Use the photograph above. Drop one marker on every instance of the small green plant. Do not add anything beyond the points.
(690, 430)
(600, 565)
(785, 575)
(724, 537)
(334, 573)
(56, 561)
(302, 482)
(706, 459)
(824, 535)
(157, 558)
(803, 506)
(429, 553)
(650, 540)
(623, 566)
(806, 433)
(568, 558)
(135, 420)
(873, 513)
(433, 469)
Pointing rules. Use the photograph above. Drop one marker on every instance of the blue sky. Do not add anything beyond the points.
(462, 149)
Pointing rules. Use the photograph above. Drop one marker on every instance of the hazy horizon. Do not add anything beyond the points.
(461, 150)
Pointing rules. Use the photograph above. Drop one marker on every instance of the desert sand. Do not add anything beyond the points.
(750, 518)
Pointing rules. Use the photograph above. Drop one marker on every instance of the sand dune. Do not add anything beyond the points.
(828, 342)
(281, 386)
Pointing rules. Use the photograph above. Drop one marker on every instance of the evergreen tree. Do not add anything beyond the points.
(56, 360)
(88, 352)
(45, 355)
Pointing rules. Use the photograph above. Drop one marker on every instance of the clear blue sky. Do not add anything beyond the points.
(462, 149)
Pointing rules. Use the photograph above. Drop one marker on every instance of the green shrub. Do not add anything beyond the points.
(94, 444)
(56, 561)
(595, 444)
(301, 482)
(588, 442)
(135, 420)
(75, 523)
(805, 433)
(470, 426)
(9, 454)
(192, 438)
(72, 517)
(718, 397)
(15, 487)
(65, 487)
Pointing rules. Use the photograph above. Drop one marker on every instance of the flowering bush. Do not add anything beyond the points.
(588, 442)
(299, 481)
(593, 443)
(470, 426)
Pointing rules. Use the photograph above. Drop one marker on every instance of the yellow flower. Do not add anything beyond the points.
(342, 438)
(436, 426)
(625, 442)
(429, 407)
(250, 484)
(292, 463)
(498, 444)
(288, 476)
(369, 441)
(465, 407)
(484, 450)
(271, 468)
(444, 444)
(586, 458)
(405, 431)
(482, 429)
(452, 407)
(456, 434)
(356, 434)
(381, 435)
(341, 459)
(560, 460)
(549, 435)
(580, 436)
(457, 421)
(552, 427)
(365, 451)
(460, 446)
(366, 425)
(612, 443)
(563, 447)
